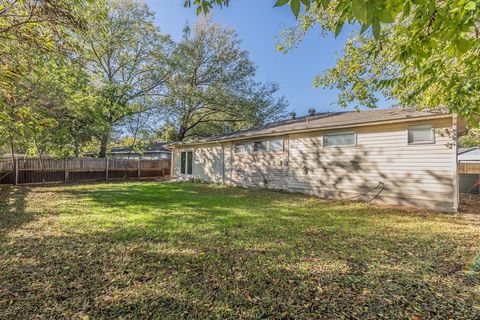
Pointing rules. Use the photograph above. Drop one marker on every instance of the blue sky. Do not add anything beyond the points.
(258, 24)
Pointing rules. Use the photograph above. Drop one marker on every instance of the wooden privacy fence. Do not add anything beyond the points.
(32, 170)
(468, 168)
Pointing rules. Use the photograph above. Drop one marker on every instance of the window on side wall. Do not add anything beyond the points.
(260, 146)
(421, 134)
(275, 145)
(340, 139)
(243, 147)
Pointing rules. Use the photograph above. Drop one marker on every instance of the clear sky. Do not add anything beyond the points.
(258, 24)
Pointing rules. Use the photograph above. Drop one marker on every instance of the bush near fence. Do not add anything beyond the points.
(47, 170)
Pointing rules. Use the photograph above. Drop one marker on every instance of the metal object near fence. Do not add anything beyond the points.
(48, 170)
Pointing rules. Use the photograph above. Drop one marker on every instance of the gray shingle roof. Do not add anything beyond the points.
(320, 121)
(472, 150)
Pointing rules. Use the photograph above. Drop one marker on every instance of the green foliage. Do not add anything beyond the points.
(409, 64)
(41, 85)
(212, 90)
(127, 58)
(76, 75)
(428, 49)
(471, 139)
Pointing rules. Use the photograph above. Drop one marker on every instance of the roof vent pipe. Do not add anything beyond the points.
(311, 112)
(293, 115)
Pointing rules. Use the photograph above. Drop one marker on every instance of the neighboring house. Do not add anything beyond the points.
(469, 183)
(392, 156)
(154, 152)
(469, 155)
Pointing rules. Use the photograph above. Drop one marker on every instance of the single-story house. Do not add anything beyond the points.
(393, 156)
(469, 182)
(157, 151)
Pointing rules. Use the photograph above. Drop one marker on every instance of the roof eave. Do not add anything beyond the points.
(311, 129)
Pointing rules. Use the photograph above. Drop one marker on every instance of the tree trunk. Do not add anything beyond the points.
(76, 149)
(103, 146)
(12, 149)
(182, 131)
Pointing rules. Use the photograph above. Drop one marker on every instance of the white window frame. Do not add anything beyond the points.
(186, 161)
(423, 126)
(252, 145)
(243, 144)
(270, 140)
(338, 134)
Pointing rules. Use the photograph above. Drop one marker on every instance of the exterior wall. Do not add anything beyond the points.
(259, 169)
(382, 166)
(208, 163)
(417, 175)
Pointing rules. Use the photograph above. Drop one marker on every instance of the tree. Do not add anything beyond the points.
(429, 49)
(32, 32)
(48, 110)
(18, 17)
(389, 64)
(212, 90)
(471, 139)
(127, 58)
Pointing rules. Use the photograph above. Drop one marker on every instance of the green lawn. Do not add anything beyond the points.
(171, 251)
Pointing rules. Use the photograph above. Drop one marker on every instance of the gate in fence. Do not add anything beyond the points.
(35, 170)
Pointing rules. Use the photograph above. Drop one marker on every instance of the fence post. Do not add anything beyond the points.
(65, 169)
(139, 165)
(16, 170)
(106, 168)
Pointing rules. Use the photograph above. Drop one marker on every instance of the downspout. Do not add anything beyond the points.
(456, 191)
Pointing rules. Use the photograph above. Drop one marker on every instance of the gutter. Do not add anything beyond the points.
(274, 134)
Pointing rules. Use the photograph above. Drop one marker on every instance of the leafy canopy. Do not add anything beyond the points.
(126, 57)
(418, 52)
(212, 89)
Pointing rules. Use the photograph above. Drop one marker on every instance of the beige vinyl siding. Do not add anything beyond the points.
(228, 162)
(259, 169)
(176, 165)
(208, 163)
(418, 175)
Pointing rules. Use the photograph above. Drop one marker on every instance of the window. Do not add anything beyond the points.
(260, 146)
(243, 147)
(340, 139)
(420, 134)
(275, 145)
(186, 160)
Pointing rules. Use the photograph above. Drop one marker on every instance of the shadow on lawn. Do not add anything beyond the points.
(200, 251)
(13, 209)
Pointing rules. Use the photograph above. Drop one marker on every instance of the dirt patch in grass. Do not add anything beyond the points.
(179, 250)
(470, 203)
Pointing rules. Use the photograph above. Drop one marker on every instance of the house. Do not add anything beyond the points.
(393, 156)
(469, 155)
(154, 152)
(469, 182)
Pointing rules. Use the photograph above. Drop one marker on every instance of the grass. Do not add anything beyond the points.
(172, 251)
